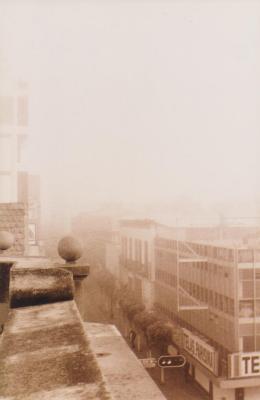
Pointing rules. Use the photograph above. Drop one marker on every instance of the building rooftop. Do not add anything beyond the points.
(137, 223)
(46, 352)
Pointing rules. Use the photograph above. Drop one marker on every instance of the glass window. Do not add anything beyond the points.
(257, 308)
(22, 111)
(257, 255)
(246, 274)
(246, 309)
(257, 288)
(6, 110)
(257, 343)
(245, 256)
(221, 302)
(247, 289)
(248, 343)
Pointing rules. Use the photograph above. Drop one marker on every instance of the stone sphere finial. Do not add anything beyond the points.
(70, 249)
(6, 240)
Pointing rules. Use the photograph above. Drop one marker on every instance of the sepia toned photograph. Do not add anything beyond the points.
(129, 200)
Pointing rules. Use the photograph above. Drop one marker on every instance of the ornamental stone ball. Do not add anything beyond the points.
(6, 240)
(69, 248)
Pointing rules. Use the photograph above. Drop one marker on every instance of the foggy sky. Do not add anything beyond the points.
(138, 101)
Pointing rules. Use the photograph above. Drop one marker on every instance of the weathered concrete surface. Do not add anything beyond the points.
(26, 261)
(78, 271)
(45, 354)
(125, 376)
(5, 268)
(32, 286)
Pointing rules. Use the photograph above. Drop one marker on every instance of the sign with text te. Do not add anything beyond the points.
(244, 365)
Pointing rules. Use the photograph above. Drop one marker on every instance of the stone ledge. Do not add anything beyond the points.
(78, 271)
(32, 286)
(125, 376)
(45, 354)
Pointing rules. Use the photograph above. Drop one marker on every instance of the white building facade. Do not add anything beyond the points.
(13, 132)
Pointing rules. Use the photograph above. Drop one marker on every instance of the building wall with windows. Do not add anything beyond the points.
(137, 258)
(113, 255)
(213, 293)
(13, 132)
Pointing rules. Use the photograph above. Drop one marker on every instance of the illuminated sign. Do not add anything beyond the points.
(244, 365)
(171, 361)
(200, 350)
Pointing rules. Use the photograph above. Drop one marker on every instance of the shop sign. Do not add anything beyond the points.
(242, 365)
(200, 350)
(149, 362)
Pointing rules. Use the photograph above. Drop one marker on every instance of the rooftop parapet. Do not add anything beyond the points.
(45, 351)
(33, 286)
(45, 354)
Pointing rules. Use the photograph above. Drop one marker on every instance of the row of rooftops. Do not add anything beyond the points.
(226, 237)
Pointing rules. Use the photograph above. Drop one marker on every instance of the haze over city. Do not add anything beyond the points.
(149, 102)
(129, 199)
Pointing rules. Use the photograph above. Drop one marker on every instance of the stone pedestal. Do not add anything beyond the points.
(79, 272)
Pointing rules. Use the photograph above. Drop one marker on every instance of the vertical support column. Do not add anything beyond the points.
(236, 300)
(178, 277)
(5, 269)
(79, 272)
(254, 298)
(79, 294)
(162, 375)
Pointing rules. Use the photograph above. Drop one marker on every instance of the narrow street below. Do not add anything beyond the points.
(96, 309)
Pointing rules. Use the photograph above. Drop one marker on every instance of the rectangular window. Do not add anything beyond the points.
(246, 309)
(247, 289)
(22, 111)
(246, 274)
(245, 256)
(146, 253)
(6, 110)
(257, 288)
(248, 343)
(131, 249)
(257, 308)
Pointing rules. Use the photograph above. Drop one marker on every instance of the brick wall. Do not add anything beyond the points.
(14, 219)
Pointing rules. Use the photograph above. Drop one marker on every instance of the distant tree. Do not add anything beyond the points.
(144, 319)
(160, 335)
(132, 309)
(129, 304)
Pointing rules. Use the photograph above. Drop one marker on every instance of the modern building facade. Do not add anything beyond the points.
(137, 258)
(13, 132)
(213, 293)
(112, 257)
(210, 289)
